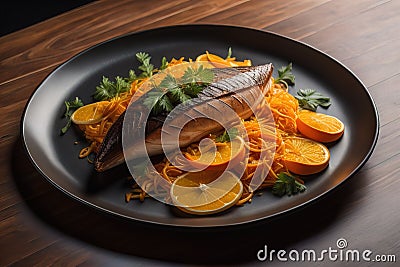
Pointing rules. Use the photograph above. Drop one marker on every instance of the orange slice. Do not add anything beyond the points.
(304, 156)
(202, 57)
(201, 194)
(318, 126)
(221, 62)
(89, 114)
(219, 159)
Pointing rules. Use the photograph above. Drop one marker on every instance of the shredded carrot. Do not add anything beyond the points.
(284, 108)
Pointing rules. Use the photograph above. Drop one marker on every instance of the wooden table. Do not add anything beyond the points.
(40, 225)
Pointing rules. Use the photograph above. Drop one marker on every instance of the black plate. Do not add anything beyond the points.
(56, 157)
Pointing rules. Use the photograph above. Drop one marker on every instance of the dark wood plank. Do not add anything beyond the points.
(49, 48)
(355, 33)
(261, 14)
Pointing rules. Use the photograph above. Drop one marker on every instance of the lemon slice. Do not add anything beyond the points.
(89, 114)
(201, 194)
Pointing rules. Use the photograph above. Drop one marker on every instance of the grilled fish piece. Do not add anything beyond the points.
(236, 88)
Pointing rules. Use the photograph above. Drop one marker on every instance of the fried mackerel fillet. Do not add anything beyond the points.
(241, 89)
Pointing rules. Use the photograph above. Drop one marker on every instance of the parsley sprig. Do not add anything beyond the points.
(285, 75)
(308, 98)
(111, 88)
(164, 63)
(158, 101)
(199, 74)
(70, 107)
(146, 67)
(286, 184)
(228, 135)
(173, 91)
(311, 99)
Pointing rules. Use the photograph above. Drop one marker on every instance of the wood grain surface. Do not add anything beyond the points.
(40, 225)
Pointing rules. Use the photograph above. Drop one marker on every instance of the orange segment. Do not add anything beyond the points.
(318, 126)
(304, 156)
(233, 151)
(221, 62)
(202, 57)
(197, 193)
(89, 114)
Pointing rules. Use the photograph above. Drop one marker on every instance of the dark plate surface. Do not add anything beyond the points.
(56, 157)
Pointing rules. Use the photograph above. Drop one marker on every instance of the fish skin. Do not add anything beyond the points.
(226, 89)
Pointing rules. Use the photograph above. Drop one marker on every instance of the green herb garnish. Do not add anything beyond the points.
(201, 74)
(285, 75)
(132, 77)
(229, 53)
(164, 63)
(146, 67)
(286, 184)
(70, 107)
(173, 91)
(109, 89)
(158, 101)
(228, 135)
(311, 99)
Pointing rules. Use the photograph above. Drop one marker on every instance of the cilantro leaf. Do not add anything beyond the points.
(227, 136)
(193, 89)
(158, 101)
(103, 91)
(121, 85)
(285, 75)
(132, 77)
(287, 185)
(146, 67)
(177, 95)
(201, 74)
(311, 99)
(169, 82)
(70, 107)
(164, 63)
(174, 90)
(109, 89)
